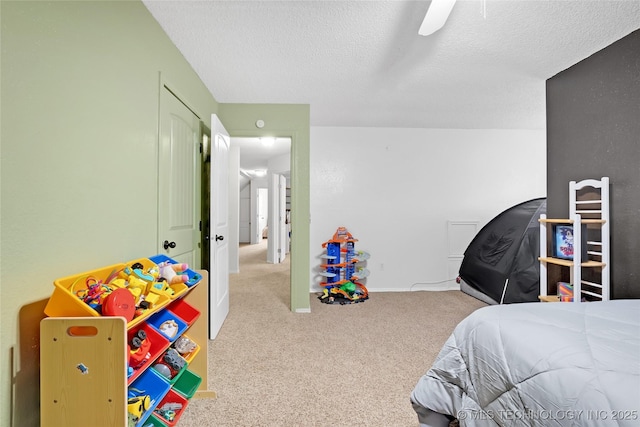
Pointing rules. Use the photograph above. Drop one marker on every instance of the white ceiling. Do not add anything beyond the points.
(254, 155)
(362, 63)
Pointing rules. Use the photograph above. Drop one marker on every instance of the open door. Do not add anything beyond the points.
(219, 237)
(278, 233)
(283, 241)
(259, 212)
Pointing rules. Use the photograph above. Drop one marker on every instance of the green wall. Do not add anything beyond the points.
(79, 110)
(80, 87)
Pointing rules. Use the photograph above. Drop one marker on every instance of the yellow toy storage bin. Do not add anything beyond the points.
(65, 303)
(179, 289)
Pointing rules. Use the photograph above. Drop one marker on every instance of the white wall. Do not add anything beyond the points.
(396, 189)
(280, 164)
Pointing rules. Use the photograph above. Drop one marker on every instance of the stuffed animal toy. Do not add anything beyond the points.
(170, 272)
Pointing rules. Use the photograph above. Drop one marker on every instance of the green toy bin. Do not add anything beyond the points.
(188, 384)
(153, 421)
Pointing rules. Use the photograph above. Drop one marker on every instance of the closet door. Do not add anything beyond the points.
(179, 195)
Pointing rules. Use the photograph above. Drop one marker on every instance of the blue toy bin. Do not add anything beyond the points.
(152, 384)
(158, 319)
(194, 278)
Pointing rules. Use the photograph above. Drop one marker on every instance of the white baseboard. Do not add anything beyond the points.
(416, 287)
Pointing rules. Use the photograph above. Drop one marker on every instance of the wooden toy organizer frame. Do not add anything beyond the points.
(80, 357)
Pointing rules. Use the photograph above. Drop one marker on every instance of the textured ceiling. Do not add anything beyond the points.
(362, 63)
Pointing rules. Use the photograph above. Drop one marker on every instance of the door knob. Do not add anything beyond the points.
(166, 245)
(219, 237)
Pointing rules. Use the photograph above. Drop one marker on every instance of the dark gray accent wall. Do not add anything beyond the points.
(593, 130)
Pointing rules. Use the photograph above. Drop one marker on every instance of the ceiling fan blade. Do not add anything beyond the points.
(436, 16)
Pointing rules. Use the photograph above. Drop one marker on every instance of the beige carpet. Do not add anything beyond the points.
(340, 365)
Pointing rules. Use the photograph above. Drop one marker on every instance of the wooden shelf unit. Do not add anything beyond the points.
(594, 213)
(95, 365)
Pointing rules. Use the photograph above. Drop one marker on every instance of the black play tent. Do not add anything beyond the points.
(500, 265)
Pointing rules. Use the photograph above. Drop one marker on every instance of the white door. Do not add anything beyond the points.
(263, 212)
(273, 245)
(245, 215)
(219, 237)
(178, 181)
(282, 223)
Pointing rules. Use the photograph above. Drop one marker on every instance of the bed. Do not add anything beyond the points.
(537, 364)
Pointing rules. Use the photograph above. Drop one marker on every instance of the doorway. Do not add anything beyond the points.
(262, 159)
(205, 194)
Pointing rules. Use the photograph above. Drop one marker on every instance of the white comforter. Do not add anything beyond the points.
(538, 364)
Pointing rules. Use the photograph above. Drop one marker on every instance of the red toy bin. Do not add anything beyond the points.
(171, 398)
(158, 345)
(185, 311)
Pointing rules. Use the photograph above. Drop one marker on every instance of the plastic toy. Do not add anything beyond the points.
(136, 406)
(139, 349)
(136, 276)
(170, 364)
(119, 302)
(171, 272)
(169, 328)
(184, 345)
(173, 360)
(163, 370)
(131, 291)
(343, 270)
(169, 410)
(94, 293)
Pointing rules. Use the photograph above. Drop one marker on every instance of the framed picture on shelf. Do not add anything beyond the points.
(563, 242)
